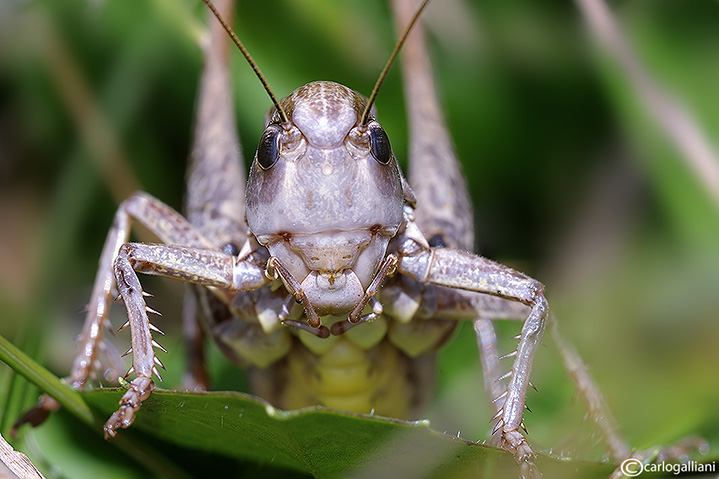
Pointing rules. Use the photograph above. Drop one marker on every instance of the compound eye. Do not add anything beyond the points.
(268, 151)
(379, 143)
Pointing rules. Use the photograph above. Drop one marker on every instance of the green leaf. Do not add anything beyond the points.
(315, 441)
(322, 442)
(71, 400)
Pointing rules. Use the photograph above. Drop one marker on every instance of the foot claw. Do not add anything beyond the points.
(514, 442)
(139, 390)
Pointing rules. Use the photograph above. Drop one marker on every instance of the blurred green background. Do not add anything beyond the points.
(571, 179)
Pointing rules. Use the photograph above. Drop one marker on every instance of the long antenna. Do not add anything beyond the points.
(249, 59)
(390, 61)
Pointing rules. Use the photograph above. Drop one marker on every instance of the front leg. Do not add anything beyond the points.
(164, 222)
(194, 265)
(463, 270)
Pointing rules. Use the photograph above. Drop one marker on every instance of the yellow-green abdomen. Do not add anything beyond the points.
(349, 378)
(381, 379)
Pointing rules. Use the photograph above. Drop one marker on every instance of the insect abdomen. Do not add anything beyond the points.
(347, 377)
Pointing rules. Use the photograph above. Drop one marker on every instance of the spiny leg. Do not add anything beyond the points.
(444, 212)
(434, 169)
(195, 265)
(161, 220)
(589, 392)
(452, 304)
(463, 270)
(489, 356)
(443, 209)
(215, 195)
(585, 386)
(170, 227)
(167, 224)
(412, 304)
(144, 361)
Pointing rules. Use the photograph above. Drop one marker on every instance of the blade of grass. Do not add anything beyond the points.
(72, 401)
(670, 115)
(45, 380)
